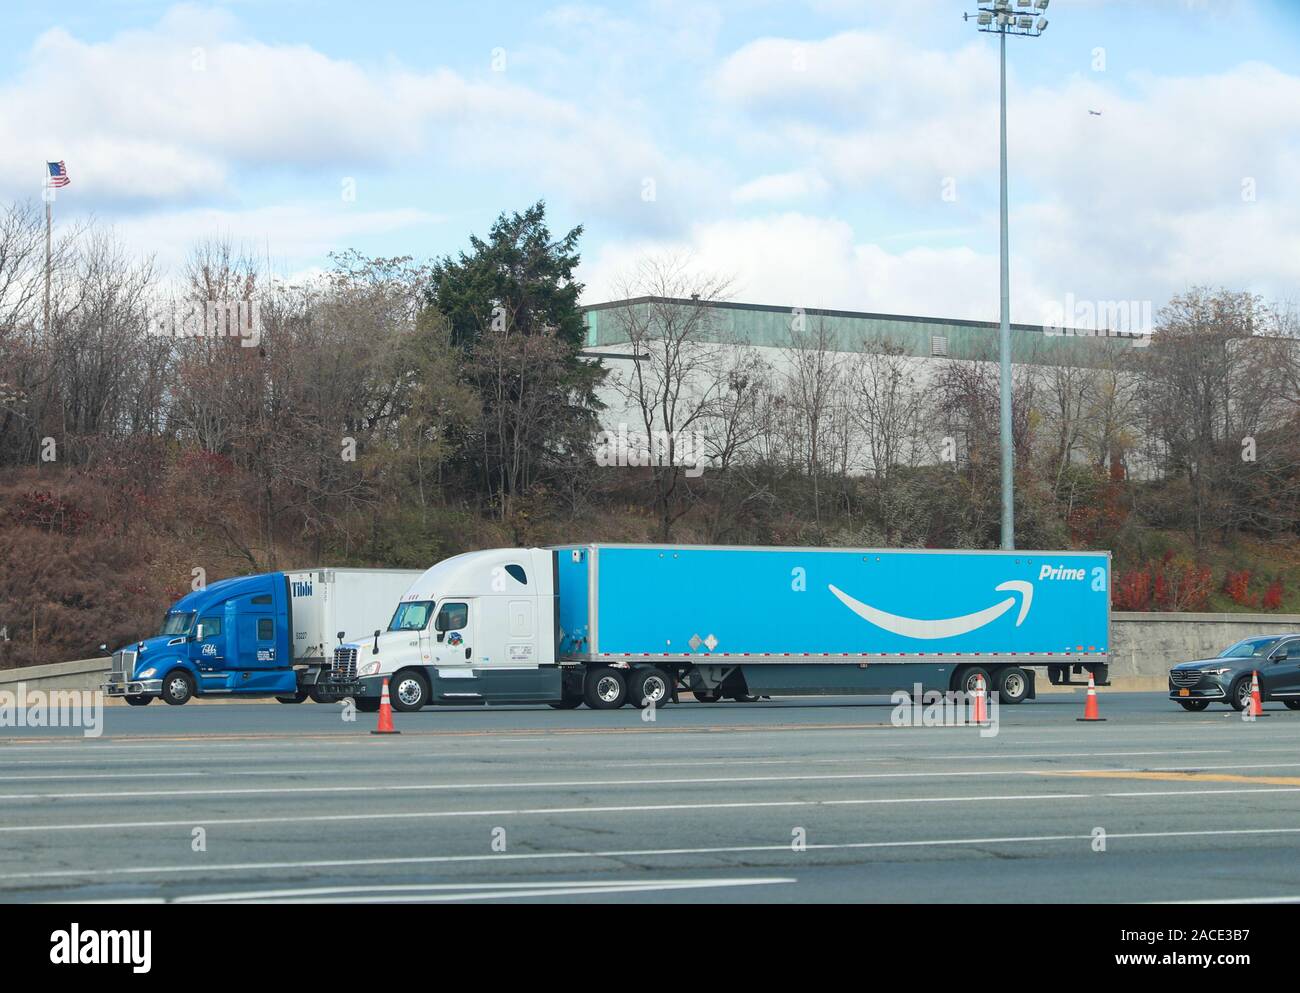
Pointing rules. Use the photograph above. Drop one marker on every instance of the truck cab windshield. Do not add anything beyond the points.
(178, 623)
(412, 616)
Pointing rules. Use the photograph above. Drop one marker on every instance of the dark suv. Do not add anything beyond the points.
(1226, 679)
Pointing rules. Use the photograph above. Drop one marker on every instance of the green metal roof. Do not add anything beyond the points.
(757, 324)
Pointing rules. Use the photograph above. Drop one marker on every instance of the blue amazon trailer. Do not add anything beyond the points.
(744, 622)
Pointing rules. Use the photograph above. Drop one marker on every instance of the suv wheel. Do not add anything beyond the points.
(1239, 695)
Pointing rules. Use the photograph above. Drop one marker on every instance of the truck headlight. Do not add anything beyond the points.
(369, 669)
(146, 673)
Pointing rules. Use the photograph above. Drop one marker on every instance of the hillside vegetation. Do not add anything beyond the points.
(392, 413)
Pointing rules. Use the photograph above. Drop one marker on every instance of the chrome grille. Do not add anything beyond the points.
(344, 668)
(1185, 677)
(123, 666)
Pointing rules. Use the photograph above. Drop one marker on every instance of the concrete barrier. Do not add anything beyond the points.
(1143, 647)
(84, 674)
(1146, 645)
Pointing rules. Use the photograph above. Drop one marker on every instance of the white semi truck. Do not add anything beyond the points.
(612, 624)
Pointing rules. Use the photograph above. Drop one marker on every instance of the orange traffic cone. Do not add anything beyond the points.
(1090, 712)
(1256, 703)
(979, 706)
(385, 713)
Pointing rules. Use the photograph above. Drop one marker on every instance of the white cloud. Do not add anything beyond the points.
(781, 187)
(174, 113)
(800, 260)
(293, 235)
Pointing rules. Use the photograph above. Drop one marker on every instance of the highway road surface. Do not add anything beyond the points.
(777, 801)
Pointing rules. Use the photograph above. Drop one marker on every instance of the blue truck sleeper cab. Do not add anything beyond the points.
(232, 637)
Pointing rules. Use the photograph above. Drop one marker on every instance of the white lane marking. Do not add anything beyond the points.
(871, 731)
(209, 774)
(522, 811)
(410, 892)
(623, 809)
(584, 783)
(1245, 900)
(630, 853)
(713, 755)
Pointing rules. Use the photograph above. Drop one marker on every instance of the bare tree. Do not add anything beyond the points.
(680, 377)
(813, 375)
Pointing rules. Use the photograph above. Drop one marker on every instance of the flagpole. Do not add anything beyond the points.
(49, 197)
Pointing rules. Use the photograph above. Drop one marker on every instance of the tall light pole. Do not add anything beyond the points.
(1003, 18)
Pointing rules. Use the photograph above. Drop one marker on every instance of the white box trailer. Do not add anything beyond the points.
(330, 606)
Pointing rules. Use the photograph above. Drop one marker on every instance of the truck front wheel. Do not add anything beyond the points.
(178, 687)
(409, 691)
(605, 688)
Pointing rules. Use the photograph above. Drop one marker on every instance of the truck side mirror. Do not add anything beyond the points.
(104, 649)
(340, 636)
(440, 625)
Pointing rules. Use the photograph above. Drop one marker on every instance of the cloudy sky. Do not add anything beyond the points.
(836, 153)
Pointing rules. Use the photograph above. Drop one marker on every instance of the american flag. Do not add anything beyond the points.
(58, 173)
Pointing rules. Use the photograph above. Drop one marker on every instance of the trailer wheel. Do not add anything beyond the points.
(298, 697)
(966, 678)
(138, 701)
(408, 691)
(648, 686)
(605, 688)
(1013, 684)
(178, 687)
(707, 696)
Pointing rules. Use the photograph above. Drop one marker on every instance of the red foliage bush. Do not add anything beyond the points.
(1236, 585)
(1273, 595)
(43, 509)
(1132, 590)
(1169, 584)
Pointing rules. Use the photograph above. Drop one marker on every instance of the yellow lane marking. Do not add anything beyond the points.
(1182, 777)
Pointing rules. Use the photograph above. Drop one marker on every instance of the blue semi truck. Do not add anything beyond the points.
(264, 635)
(607, 625)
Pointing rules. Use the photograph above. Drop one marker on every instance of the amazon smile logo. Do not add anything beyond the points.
(944, 627)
